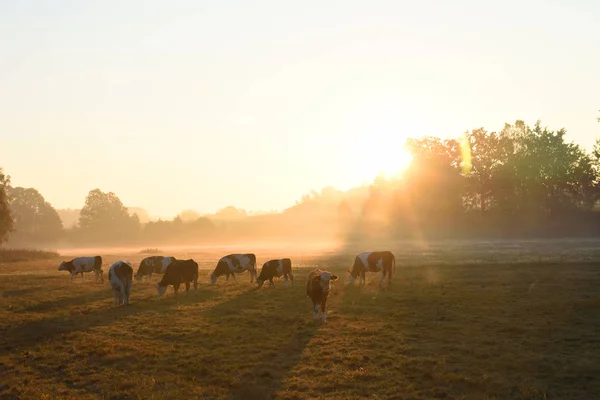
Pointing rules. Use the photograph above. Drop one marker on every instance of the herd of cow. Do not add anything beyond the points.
(176, 272)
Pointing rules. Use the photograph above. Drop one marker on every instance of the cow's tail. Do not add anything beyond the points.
(393, 264)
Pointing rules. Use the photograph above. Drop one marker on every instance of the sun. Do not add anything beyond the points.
(389, 158)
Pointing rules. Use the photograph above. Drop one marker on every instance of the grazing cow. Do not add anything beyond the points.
(80, 265)
(275, 269)
(234, 264)
(152, 265)
(318, 286)
(373, 261)
(178, 272)
(120, 276)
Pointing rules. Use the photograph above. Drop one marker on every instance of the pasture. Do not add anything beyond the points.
(460, 321)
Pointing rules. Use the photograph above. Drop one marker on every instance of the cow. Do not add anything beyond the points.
(373, 261)
(120, 276)
(275, 269)
(232, 264)
(318, 286)
(178, 272)
(80, 265)
(152, 265)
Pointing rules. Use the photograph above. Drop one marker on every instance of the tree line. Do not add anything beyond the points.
(522, 181)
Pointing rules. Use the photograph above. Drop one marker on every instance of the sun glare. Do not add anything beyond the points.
(390, 161)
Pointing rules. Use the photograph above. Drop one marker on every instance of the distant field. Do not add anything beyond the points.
(502, 320)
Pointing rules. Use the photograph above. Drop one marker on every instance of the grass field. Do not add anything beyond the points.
(485, 321)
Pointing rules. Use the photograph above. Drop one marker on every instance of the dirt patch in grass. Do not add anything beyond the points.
(441, 330)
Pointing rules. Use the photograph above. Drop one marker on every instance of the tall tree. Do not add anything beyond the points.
(33, 216)
(6, 220)
(433, 182)
(105, 215)
(488, 155)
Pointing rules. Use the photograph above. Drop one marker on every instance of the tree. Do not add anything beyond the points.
(6, 220)
(188, 215)
(488, 155)
(433, 185)
(142, 214)
(33, 216)
(104, 215)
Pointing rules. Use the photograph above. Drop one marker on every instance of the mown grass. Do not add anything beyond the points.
(454, 331)
(16, 255)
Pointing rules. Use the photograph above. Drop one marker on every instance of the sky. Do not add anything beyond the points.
(204, 104)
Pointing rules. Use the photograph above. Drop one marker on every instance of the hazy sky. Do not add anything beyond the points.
(196, 104)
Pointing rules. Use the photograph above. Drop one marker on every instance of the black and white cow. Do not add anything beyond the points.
(80, 265)
(120, 276)
(152, 265)
(318, 286)
(232, 264)
(373, 261)
(275, 269)
(178, 272)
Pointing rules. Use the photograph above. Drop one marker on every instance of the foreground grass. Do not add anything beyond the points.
(463, 331)
(16, 255)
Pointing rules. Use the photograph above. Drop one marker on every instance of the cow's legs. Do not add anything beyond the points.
(176, 288)
(291, 278)
(251, 275)
(127, 294)
(234, 278)
(187, 288)
(271, 282)
(116, 296)
(285, 280)
(72, 275)
(382, 277)
(316, 313)
(324, 310)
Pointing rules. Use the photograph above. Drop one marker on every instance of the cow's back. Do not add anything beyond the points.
(181, 271)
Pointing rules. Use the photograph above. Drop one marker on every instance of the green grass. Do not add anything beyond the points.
(442, 330)
(16, 255)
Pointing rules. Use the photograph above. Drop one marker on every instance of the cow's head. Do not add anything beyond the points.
(324, 279)
(65, 266)
(160, 289)
(213, 278)
(353, 275)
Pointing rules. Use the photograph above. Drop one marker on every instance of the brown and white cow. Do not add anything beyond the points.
(373, 261)
(232, 264)
(120, 276)
(178, 272)
(152, 265)
(275, 269)
(318, 287)
(80, 265)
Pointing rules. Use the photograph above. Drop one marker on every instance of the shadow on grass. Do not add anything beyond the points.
(268, 329)
(39, 331)
(80, 300)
